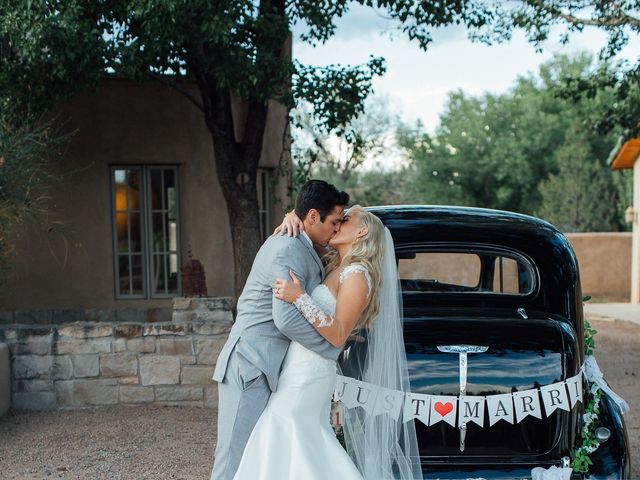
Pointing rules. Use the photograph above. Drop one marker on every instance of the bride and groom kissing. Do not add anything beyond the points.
(277, 371)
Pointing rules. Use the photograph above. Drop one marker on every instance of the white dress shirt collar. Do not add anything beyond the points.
(304, 235)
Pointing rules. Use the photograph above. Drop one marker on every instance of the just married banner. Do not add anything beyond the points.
(459, 409)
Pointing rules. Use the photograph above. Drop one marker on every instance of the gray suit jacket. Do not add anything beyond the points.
(265, 326)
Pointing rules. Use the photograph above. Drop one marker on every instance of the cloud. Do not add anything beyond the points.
(364, 23)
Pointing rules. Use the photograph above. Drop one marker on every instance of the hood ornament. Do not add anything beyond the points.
(462, 351)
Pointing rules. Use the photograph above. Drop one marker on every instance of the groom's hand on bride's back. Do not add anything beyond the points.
(291, 225)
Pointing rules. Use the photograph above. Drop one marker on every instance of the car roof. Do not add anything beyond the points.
(548, 249)
(411, 223)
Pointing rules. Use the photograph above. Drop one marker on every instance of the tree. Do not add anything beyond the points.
(581, 196)
(27, 155)
(369, 136)
(231, 48)
(494, 150)
(619, 19)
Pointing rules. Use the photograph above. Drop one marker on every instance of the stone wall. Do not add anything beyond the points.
(88, 363)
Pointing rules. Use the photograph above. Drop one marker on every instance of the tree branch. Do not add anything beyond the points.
(619, 21)
(167, 81)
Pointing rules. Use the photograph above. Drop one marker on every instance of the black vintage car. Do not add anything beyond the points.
(508, 285)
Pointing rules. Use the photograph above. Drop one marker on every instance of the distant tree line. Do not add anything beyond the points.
(531, 150)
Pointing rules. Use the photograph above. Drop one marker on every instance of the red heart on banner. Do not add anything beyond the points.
(443, 408)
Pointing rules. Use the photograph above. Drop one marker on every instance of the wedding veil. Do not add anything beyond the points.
(382, 447)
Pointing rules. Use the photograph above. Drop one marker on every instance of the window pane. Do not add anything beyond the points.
(157, 271)
(124, 283)
(455, 269)
(127, 189)
(156, 189)
(157, 233)
(505, 277)
(136, 232)
(173, 235)
(461, 272)
(173, 273)
(122, 232)
(146, 230)
(137, 279)
(263, 202)
(169, 191)
(172, 204)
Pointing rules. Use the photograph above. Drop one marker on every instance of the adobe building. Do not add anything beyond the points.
(140, 190)
(92, 311)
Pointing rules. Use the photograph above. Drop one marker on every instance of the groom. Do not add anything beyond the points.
(248, 367)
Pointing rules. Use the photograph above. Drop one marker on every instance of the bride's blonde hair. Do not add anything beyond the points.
(368, 250)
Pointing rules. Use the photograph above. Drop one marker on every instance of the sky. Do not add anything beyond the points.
(417, 82)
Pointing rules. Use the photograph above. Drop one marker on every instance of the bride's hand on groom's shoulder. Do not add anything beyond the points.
(291, 225)
(288, 291)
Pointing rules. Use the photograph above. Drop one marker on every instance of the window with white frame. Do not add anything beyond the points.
(146, 231)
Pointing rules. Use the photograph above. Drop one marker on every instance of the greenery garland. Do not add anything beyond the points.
(588, 443)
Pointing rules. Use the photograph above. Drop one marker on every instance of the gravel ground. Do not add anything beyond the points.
(148, 442)
(177, 443)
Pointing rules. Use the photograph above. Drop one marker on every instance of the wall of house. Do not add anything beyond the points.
(65, 261)
(604, 259)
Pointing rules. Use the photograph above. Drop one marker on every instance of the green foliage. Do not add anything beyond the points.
(617, 19)
(581, 196)
(581, 458)
(51, 48)
(589, 338)
(231, 48)
(48, 49)
(588, 443)
(494, 151)
(27, 171)
(367, 137)
(359, 159)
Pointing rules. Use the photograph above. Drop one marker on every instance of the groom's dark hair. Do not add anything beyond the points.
(320, 195)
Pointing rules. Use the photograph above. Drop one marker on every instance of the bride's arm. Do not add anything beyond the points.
(291, 226)
(353, 297)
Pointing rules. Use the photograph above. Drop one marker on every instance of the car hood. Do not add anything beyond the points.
(521, 354)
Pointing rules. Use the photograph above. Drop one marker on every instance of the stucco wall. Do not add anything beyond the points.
(5, 379)
(66, 260)
(604, 260)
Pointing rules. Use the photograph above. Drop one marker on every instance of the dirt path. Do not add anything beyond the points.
(177, 443)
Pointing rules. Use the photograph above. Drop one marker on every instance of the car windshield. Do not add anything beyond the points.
(469, 271)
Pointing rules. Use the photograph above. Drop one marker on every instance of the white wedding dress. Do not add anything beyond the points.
(293, 438)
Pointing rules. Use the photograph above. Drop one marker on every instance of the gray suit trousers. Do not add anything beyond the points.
(240, 404)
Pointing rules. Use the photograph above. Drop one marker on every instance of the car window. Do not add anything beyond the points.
(473, 272)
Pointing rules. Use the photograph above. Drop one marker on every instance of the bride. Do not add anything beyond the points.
(293, 438)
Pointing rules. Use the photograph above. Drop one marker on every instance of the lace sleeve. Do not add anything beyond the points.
(312, 312)
(356, 268)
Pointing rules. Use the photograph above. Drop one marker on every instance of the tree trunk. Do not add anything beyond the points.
(237, 168)
(245, 233)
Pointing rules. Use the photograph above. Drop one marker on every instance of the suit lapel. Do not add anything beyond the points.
(313, 254)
